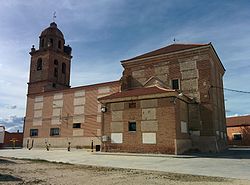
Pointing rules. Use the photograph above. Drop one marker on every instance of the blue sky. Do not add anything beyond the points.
(104, 32)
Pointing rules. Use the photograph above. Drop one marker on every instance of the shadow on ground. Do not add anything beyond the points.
(6, 177)
(6, 161)
(230, 153)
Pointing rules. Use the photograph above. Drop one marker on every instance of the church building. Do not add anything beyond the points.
(168, 101)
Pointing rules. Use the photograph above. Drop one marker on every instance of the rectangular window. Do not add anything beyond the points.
(175, 84)
(237, 137)
(76, 125)
(54, 132)
(33, 132)
(132, 126)
(132, 105)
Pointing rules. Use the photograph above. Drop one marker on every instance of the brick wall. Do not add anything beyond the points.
(157, 125)
(61, 109)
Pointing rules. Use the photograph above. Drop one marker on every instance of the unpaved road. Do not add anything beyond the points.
(24, 172)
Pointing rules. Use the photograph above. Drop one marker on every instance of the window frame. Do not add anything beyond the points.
(172, 83)
(32, 130)
(78, 125)
(132, 126)
(237, 134)
(52, 132)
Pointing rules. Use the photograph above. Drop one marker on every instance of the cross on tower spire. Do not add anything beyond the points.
(54, 16)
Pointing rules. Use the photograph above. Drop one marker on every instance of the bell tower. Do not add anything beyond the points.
(50, 64)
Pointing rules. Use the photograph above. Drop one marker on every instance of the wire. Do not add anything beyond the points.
(232, 90)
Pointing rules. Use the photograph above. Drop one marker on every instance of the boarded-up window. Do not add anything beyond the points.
(116, 138)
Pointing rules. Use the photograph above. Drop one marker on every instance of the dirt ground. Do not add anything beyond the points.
(24, 172)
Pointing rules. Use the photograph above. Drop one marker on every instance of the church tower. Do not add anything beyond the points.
(50, 64)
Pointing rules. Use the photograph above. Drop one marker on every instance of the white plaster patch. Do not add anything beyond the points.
(55, 121)
(38, 105)
(38, 98)
(78, 132)
(56, 112)
(98, 118)
(117, 106)
(184, 127)
(57, 103)
(99, 107)
(98, 132)
(149, 114)
(149, 138)
(78, 119)
(116, 137)
(79, 101)
(37, 122)
(38, 113)
(188, 65)
(139, 73)
(79, 93)
(149, 126)
(149, 103)
(117, 115)
(58, 96)
(79, 110)
(102, 90)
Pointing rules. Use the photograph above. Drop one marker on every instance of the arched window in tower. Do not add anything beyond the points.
(63, 68)
(39, 64)
(56, 62)
(42, 43)
(59, 44)
(50, 43)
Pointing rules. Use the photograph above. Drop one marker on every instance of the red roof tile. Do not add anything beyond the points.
(168, 49)
(137, 92)
(238, 121)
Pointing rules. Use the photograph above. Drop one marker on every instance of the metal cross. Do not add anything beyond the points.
(54, 16)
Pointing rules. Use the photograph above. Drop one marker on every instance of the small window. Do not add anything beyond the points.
(33, 132)
(39, 64)
(55, 72)
(175, 84)
(54, 132)
(132, 105)
(56, 62)
(76, 125)
(63, 68)
(59, 44)
(132, 126)
(54, 85)
(237, 137)
(51, 42)
(42, 43)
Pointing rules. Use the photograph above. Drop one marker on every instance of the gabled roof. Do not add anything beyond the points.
(168, 49)
(238, 121)
(137, 92)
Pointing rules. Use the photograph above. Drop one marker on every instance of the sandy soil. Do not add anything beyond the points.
(24, 172)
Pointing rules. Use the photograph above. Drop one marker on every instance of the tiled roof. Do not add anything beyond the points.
(238, 121)
(137, 92)
(168, 49)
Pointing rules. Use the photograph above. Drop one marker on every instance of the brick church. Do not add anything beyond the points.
(167, 101)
